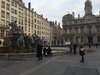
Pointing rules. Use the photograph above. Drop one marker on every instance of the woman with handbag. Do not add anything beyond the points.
(82, 53)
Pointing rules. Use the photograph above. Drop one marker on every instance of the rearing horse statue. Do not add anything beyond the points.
(17, 34)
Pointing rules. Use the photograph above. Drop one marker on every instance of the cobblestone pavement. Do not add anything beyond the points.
(68, 64)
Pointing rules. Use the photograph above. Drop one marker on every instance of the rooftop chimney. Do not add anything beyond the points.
(29, 5)
(73, 14)
(56, 22)
(32, 9)
(46, 19)
(78, 15)
(41, 15)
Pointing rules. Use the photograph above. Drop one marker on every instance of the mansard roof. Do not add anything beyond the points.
(68, 17)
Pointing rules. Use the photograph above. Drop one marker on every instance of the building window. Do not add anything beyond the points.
(98, 28)
(89, 29)
(82, 29)
(2, 33)
(12, 18)
(29, 21)
(25, 20)
(35, 20)
(19, 21)
(7, 33)
(7, 23)
(15, 19)
(8, 15)
(22, 22)
(29, 29)
(15, 4)
(19, 27)
(35, 31)
(25, 29)
(16, 12)
(8, 7)
(8, 0)
(22, 28)
(12, 2)
(2, 22)
(3, 14)
(35, 25)
(29, 34)
(3, 4)
(12, 10)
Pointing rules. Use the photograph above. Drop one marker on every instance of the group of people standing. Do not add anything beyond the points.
(43, 51)
(73, 49)
(47, 51)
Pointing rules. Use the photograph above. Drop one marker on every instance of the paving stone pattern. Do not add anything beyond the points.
(80, 71)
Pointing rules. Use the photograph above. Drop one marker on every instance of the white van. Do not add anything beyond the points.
(67, 43)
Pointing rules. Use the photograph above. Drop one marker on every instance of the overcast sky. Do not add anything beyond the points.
(56, 9)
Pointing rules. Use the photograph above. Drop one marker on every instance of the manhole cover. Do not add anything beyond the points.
(80, 71)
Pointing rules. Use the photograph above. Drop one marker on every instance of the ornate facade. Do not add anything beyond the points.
(82, 29)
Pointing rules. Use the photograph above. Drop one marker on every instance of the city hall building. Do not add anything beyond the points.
(82, 29)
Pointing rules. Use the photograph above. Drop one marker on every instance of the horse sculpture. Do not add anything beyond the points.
(17, 35)
(19, 41)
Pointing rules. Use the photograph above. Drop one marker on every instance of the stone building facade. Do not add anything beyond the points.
(56, 35)
(82, 29)
(28, 20)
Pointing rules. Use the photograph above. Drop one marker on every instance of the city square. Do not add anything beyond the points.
(56, 65)
(39, 38)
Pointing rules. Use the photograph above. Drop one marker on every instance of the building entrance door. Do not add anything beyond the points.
(90, 39)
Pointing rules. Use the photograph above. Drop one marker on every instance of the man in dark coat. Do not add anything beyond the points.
(39, 51)
(70, 47)
(74, 47)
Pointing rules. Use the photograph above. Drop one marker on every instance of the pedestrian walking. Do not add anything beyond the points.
(39, 51)
(89, 45)
(49, 51)
(82, 53)
(96, 45)
(70, 47)
(74, 47)
(45, 51)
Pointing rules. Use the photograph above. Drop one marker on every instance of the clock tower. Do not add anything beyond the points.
(88, 7)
